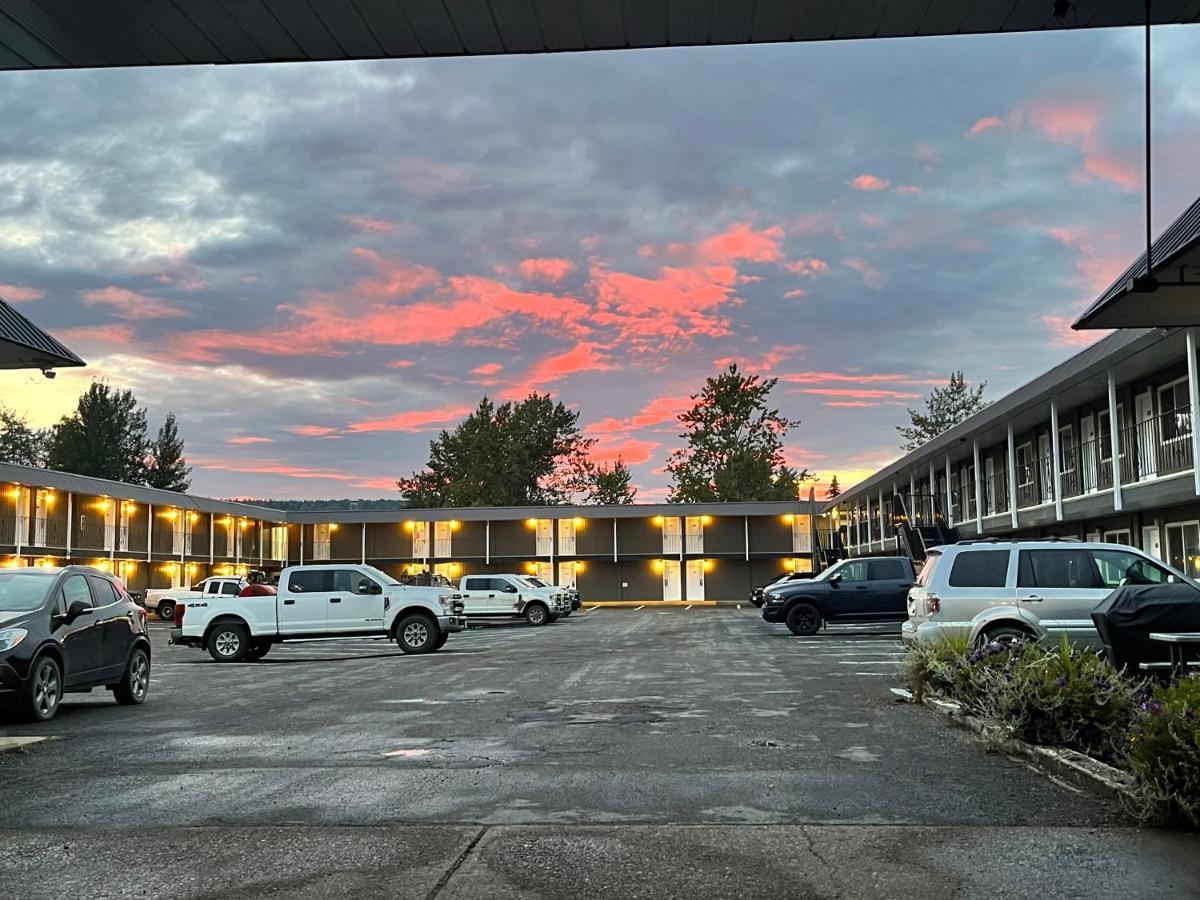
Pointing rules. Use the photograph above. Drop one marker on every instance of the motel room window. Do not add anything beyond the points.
(1183, 547)
(1176, 409)
(1105, 433)
(1025, 465)
(321, 541)
(1066, 450)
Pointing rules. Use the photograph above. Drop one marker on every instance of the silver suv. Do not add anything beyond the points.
(999, 590)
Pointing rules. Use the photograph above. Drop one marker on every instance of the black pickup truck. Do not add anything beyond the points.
(873, 589)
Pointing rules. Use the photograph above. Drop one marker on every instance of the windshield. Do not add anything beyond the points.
(537, 582)
(380, 576)
(830, 572)
(22, 591)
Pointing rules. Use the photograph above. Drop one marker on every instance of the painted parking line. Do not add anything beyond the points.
(636, 608)
(689, 606)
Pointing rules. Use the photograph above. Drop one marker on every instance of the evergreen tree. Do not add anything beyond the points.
(944, 408)
(104, 437)
(734, 444)
(833, 490)
(609, 485)
(167, 468)
(527, 453)
(19, 443)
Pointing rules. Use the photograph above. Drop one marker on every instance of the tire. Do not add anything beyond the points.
(804, 620)
(536, 614)
(166, 611)
(441, 641)
(41, 696)
(417, 633)
(132, 688)
(229, 642)
(1004, 634)
(258, 650)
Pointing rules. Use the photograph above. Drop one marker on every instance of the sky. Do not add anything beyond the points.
(317, 267)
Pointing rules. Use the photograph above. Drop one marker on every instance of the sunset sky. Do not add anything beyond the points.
(318, 266)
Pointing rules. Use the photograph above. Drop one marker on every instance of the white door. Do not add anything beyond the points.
(443, 540)
(354, 604)
(566, 537)
(40, 512)
(566, 575)
(1152, 541)
(1045, 469)
(693, 527)
(545, 571)
(695, 580)
(304, 601)
(110, 524)
(1147, 439)
(1090, 451)
(672, 542)
(479, 594)
(989, 485)
(123, 530)
(420, 534)
(545, 537)
(672, 586)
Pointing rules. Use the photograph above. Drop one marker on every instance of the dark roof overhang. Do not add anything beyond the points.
(25, 346)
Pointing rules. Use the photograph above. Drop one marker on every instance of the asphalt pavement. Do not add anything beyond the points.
(652, 753)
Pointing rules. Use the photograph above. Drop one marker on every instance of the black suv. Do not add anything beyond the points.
(67, 630)
(854, 590)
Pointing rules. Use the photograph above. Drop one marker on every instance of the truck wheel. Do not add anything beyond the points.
(417, 633)
(40, 697)
(166, 611)
(229, 642)
(258, 650)
(131, 689)
(443, 636)
(537, 614)
(804, 620)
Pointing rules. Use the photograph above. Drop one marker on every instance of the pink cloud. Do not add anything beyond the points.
(855, 378)
(585, 357)
(487, 369)
(869, 183)
(870, 275)
(634, 452)
(987, 123)
(17, 293)
(741, 242)
(270, 467)
(401, 364)
(393, 278)
(907, 189)
(808, 267)
(657, 411)
(370, 226)
(672, 309)
(852, 404)
(927, 154)
(551, 271)
(125, 304)
(321, 431)
(250, 439)
(104, 337)
(792, 295)
(860, 393)
(1125, 173)
(412, 421)
(1062, 335)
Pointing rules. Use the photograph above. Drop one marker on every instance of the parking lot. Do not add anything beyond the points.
(623, 753)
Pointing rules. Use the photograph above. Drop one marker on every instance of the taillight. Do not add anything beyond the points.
(933, 604)
(179, 608)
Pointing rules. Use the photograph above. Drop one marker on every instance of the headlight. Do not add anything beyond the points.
(10, 637)
(444, 600)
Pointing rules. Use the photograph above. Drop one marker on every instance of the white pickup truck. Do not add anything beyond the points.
(164, 600)
(490, 596)
(321, 602)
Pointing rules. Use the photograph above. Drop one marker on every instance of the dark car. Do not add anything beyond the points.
(67, 630)
(855, 590)
(758, 596)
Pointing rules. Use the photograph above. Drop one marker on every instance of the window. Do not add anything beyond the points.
(477, 584)
(926, 573)
(230, 589)
(980, 568)
(1058, 569)
(103, 593)
(75, 590)
(311, 581)
(887, 570)
(1066, 449)
(1120, 536)
(1183, 547)
(1105, 433)
(351, 581)
(320, 541)
(279, 542)
(1176, 408)
(854, 570)
(1119, 567)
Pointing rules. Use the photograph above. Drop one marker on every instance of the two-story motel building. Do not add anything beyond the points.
(156, 538)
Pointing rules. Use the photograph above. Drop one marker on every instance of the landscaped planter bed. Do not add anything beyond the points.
(1071, 709)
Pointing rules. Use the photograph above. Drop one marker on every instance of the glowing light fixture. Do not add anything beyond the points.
(531, 568)
(454, 524)
(658, 566)
(409, 525)
(708, 564)
(658, 520)
(579, 567)
(706, 520)
(789, 518)
(578, 522)
(532, 523)
(333, 526)
(50, 498)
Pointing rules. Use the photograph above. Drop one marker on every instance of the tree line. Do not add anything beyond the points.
(104, 437)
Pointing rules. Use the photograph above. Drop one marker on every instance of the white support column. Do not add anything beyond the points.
(912, 495)
(212, 540)
(149, 532)
(978, 494)
(1055, 463)
(883, 535)
(932, 491)
(301, 527)
(614, 539)
(746, 535)
(364, 543)
(20, 537)
(949, 494)
(1114, 431)
(487, 541)
(260, 542)
(1194, 397)
(870, 529)
(70, 522)
(1012, 476)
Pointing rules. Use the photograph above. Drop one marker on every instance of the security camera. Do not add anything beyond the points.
(49, 373)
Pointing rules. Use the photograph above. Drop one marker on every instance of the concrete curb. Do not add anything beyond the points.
(1073, 764)
(18, 742)
(651, 604)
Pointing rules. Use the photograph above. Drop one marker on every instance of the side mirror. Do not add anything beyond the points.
(510, 589)
(835, 580)
(75, 611)
(367, 586)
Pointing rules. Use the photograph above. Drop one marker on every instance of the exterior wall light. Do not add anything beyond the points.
(578, 522)
(658, 566)
(658, 520)
(789, 518)
(532, 523)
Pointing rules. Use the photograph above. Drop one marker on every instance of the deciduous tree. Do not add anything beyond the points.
(104, 437)
(18, 442)
(734, 444)
(944, 408)
(609, 485)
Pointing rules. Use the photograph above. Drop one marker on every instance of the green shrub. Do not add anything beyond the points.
(1062, 698)
(937, 667)
(1164, 751)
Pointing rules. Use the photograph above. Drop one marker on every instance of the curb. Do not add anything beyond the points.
(1072, 763)
(15, 743)
(652, 604)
